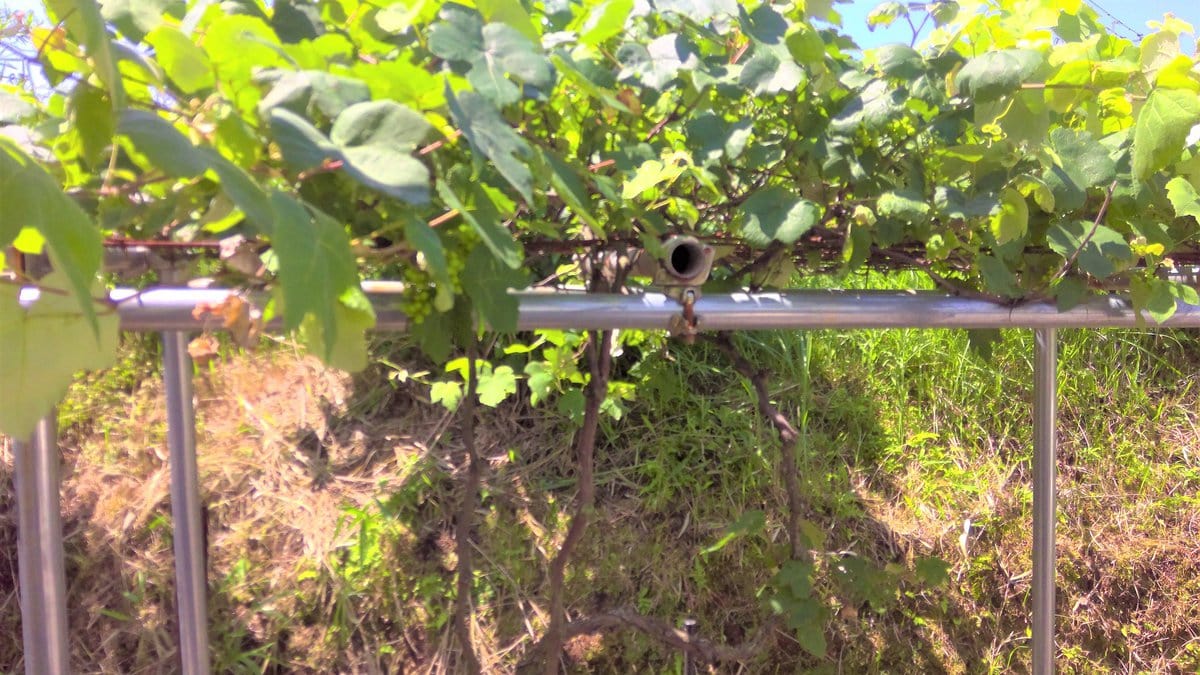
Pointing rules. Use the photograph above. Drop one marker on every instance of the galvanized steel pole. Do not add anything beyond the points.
(191, 581)
(1045, 370)
(171, 309)
(40, 552)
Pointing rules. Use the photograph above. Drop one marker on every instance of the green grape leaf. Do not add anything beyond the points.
(392, 172)
(489, 135)
(240, 46)
(1026, 119)
(186, 64)
(574, 73)
(982, 341)
(1100, 253)
(507, 52)
(493, 52)
(1069, 293)
(811, 636)
(539, 375)
(398, 17)
(418, 233)
(316, 266)
(32, 198)
(1183, 197)
(43, 347)
(805, 44)
(1178, 74)
(996, 73)
(296, 20)
(1161, 129)
(1012, 218)
(85, 22)
(136, 18)
(570, 188)
(571, 404)
(900, 61)
(776, 214)
(657, 63)
(605, 22)
(510, 13)
(486, 282)
(712, 138)
(90, 113)
(1159, 297)
(496, 386)
(242, 190)
(374, 140)
(458, 36)
(904, 205)
(485, 220)
(932, 571)
(353, 316)
(380, 123)
(1074, 162)
(884, 14)
(950, 203)
(650, 173)
(164, 145)
(303, 146)
(997, 276)
(402, 81)
(767, 74)
(306, 92)
(871, 108)
(764, 25)
(449, 394)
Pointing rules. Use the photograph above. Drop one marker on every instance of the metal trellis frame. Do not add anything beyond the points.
(170, 310)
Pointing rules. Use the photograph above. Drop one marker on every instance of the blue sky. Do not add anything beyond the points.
(1132, 13)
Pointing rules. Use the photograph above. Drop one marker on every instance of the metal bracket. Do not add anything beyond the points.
(683, 326)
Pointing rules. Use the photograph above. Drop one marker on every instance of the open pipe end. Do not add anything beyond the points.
(687, 259)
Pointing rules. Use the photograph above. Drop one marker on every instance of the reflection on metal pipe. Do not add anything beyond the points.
(1045, 368)
(171, 309)
(191, 581)
(40, 551)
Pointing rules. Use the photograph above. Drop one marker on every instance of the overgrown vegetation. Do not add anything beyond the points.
(816, 501)
(332, 510)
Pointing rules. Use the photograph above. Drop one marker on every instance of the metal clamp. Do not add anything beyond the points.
(683, 326)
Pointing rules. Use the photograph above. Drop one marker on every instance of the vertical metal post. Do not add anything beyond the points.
(690, 628)
(40, 551)
(1045, 368)
(191, 582)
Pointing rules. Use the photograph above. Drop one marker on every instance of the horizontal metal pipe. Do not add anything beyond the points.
(171, 309)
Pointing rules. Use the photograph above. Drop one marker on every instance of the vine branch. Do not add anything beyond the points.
(1069, 262)
(466, 513)
(599, 358)
(787, 433)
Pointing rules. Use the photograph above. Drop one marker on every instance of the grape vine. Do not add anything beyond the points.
(1019, 151)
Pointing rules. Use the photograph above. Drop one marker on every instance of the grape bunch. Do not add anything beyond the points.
(462, 240)
(420, 287)
(456, 262)
(417, 302)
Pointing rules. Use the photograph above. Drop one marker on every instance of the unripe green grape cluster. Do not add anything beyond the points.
(462, 240)
(417, 302)
(420, 287)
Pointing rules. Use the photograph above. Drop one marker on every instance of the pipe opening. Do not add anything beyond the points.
(685, 259)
